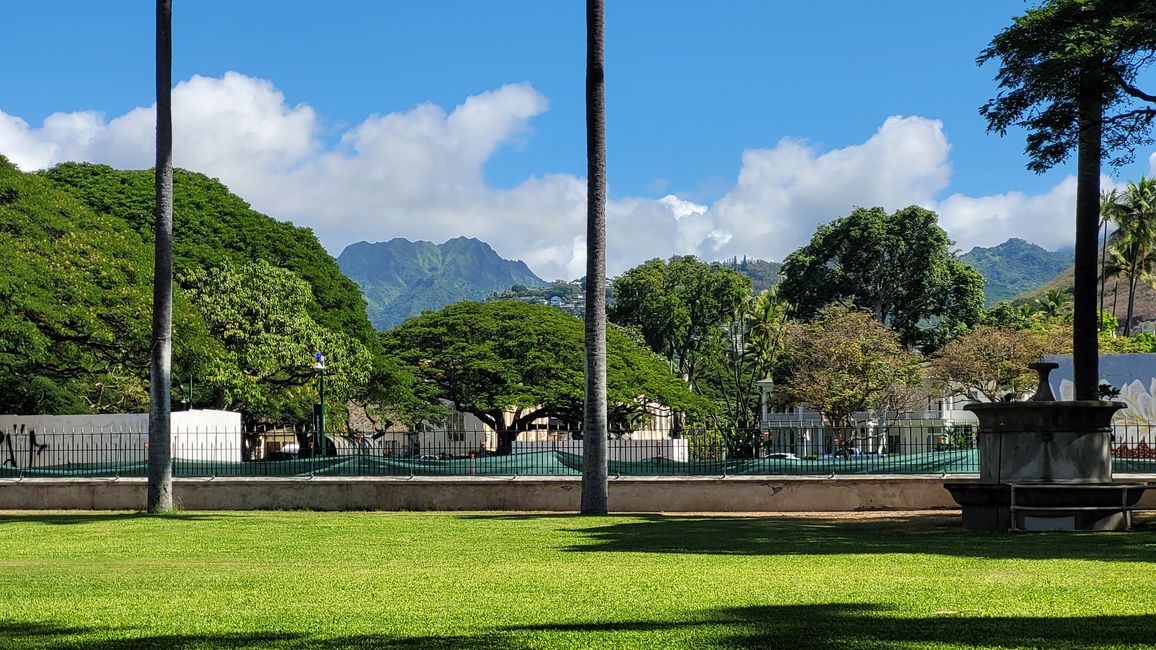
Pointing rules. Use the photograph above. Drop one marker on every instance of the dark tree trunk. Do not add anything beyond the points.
(594, 425)
(1085, 346)
(1103, 264)
(1115, 295)
(160, 461)
(506, 438)
(1131, 301)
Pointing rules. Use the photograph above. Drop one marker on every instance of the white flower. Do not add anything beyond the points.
(1141, 405)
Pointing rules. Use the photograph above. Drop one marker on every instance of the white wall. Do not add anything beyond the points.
(61, 440)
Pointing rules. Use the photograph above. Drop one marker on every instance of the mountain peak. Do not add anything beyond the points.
(400, 278)
(1014, 267)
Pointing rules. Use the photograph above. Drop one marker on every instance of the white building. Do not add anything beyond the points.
(804, 431)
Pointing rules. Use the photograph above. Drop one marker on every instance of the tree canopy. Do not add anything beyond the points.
(990, 363)
(510, 363)
(74, 305)
(212, 226)
(75, 301)
(900, 266)
(1061, 50)
(676, 304)
(845, 362)
(259, 314)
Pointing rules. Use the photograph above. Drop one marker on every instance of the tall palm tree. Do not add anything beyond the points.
(160, 461)
(594, 427)
(1134, 212)
(767, 335)
(1108, 200)
(1054, 304)
(1115, 266)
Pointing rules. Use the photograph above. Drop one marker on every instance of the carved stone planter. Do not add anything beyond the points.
(1055, 457)
(1045, 442)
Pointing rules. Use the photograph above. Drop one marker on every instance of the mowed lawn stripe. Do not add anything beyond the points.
(314, 579)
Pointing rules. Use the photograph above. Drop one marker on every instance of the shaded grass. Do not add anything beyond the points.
(448, 580)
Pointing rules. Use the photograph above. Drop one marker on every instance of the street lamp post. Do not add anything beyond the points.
(319, 366)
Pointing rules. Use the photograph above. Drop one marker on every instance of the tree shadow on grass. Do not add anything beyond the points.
(810, 627)
(828, 626)
(76, 518)
(20, 636)
(938, 534)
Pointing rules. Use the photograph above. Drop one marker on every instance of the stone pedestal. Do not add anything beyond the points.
(1056, 458)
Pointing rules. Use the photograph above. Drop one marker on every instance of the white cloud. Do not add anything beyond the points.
(784, 192)
(419, 174)
(1046, 219)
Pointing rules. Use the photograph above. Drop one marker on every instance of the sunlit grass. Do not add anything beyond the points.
(453, 580)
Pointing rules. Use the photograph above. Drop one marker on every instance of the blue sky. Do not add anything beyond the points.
(733, 127)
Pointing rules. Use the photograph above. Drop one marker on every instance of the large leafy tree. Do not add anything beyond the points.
(900, 266)
(394, 395)
(74, 305)
(260, 315)
(845, 362)
(990, 362)
(510, 363)
(214, 226)
(678, 305)
(1069, 73)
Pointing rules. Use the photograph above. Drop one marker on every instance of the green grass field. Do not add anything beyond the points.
(458, 580)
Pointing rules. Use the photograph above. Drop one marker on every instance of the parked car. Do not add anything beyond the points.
(847, 453)
(779, 455)
(274, 456)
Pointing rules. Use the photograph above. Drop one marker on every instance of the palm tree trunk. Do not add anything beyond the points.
(1115, 296)
(594, 426)
(1085, 345)
(1103, 262)
(160, 461)
(1131, 302)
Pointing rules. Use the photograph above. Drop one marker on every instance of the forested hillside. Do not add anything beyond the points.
(401, 278)
(763, 274)
(1015, 267)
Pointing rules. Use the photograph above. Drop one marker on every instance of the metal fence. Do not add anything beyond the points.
(801, 450)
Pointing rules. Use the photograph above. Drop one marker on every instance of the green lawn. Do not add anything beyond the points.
(454, 580)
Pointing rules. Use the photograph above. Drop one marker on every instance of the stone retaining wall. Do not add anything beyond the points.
(663, 494)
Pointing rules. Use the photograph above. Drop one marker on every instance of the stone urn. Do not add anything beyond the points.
(1045, 465)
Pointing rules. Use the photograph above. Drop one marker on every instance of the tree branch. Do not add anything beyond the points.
(1133, 90)
(1139, 112)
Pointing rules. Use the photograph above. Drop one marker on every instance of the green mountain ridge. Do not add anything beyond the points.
(762, 273)
(1015, 267)
(401, 278)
